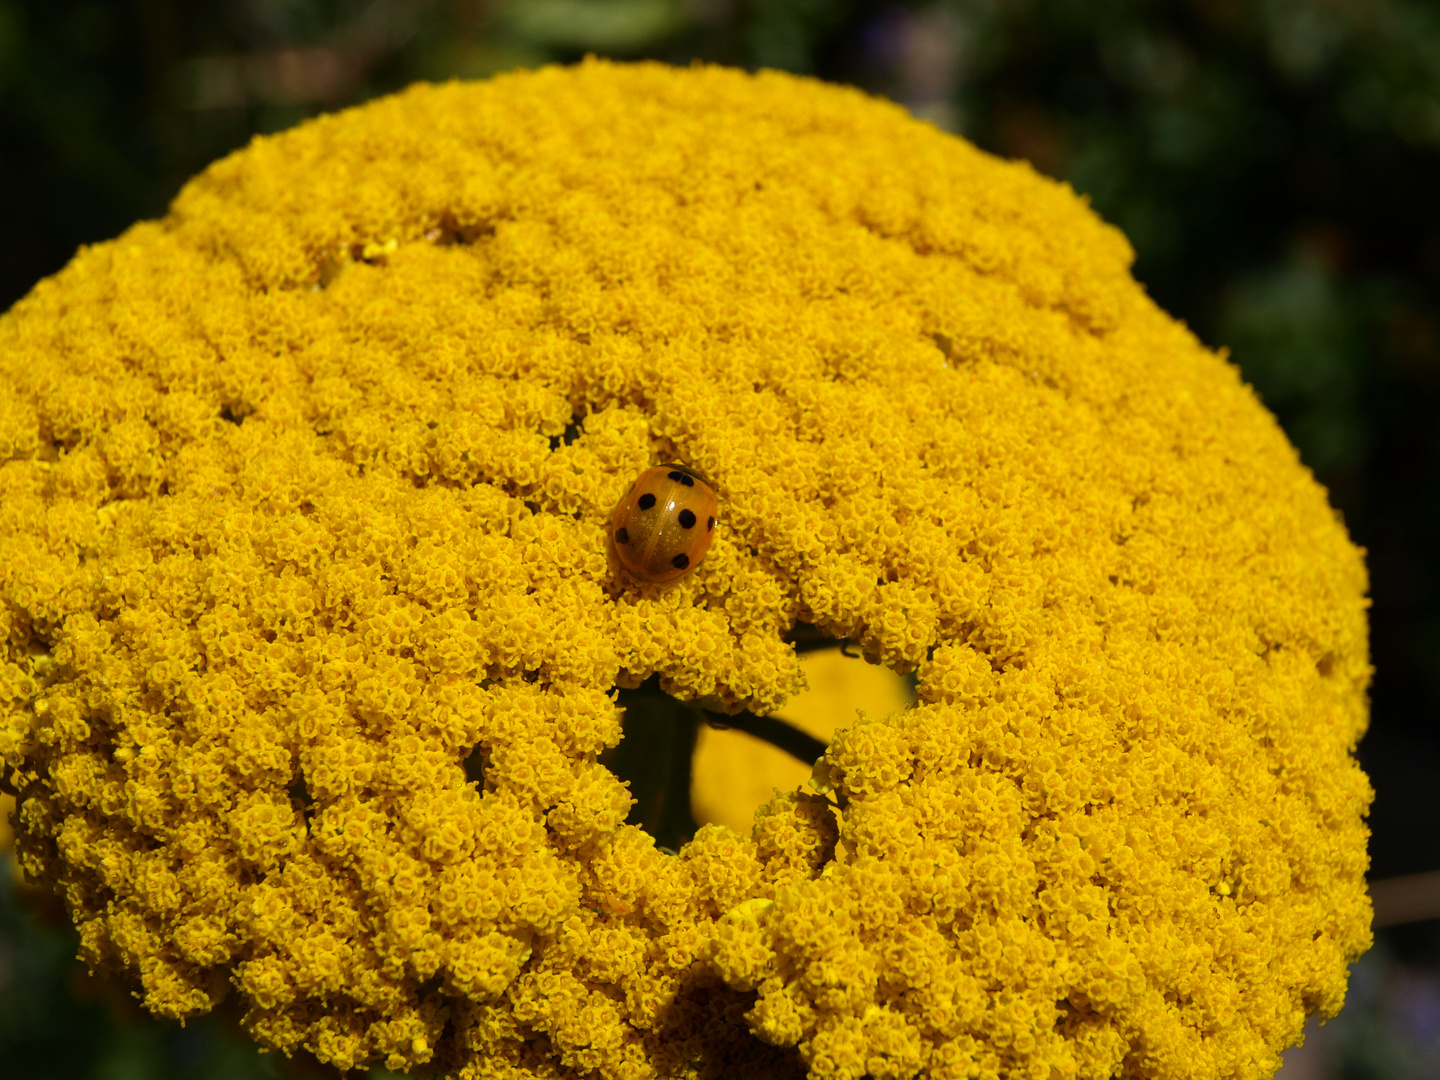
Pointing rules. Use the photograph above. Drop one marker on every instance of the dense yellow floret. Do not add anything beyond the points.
(310, 636)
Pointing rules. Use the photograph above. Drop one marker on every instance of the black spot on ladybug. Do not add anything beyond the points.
(676, 474)
(622, 535)
(681, 561)
(687, 519)
(646, 501)
(710, 524)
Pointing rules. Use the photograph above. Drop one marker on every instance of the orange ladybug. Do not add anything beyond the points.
(663, 526)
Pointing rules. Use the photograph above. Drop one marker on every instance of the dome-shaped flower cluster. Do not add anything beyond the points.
(310, 635)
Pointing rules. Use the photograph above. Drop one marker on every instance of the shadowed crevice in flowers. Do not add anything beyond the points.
(476, 765)
(568, 436)
(657, 755)
(807, 638)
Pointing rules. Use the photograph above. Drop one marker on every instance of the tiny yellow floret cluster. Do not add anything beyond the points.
(310, 637)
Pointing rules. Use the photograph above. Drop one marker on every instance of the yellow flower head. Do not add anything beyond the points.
(310, 634)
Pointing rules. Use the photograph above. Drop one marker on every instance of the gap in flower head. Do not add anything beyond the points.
(373, 252)
(571, 433)
(688, 765)
(656, 757)
(300, 797)
(448, 231)
(946, 344)
(807, 637)
(477, 765)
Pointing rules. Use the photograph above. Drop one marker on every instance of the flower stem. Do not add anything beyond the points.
(773, 730)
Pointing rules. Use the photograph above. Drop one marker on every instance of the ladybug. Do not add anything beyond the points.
(663, 526)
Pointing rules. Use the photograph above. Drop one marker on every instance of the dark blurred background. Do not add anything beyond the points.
(1276, 164)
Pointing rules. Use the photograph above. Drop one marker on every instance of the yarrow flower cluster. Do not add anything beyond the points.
(311, 636)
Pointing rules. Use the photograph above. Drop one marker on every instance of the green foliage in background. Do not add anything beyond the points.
(1274, 162)
(57, 1023)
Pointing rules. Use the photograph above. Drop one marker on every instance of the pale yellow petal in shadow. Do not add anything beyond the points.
(735, 773)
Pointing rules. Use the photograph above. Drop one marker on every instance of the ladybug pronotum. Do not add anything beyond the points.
(663, 526)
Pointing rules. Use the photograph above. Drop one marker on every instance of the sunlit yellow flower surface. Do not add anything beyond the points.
(311, 637)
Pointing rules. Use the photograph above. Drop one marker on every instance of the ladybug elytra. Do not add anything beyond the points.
(663, 525)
